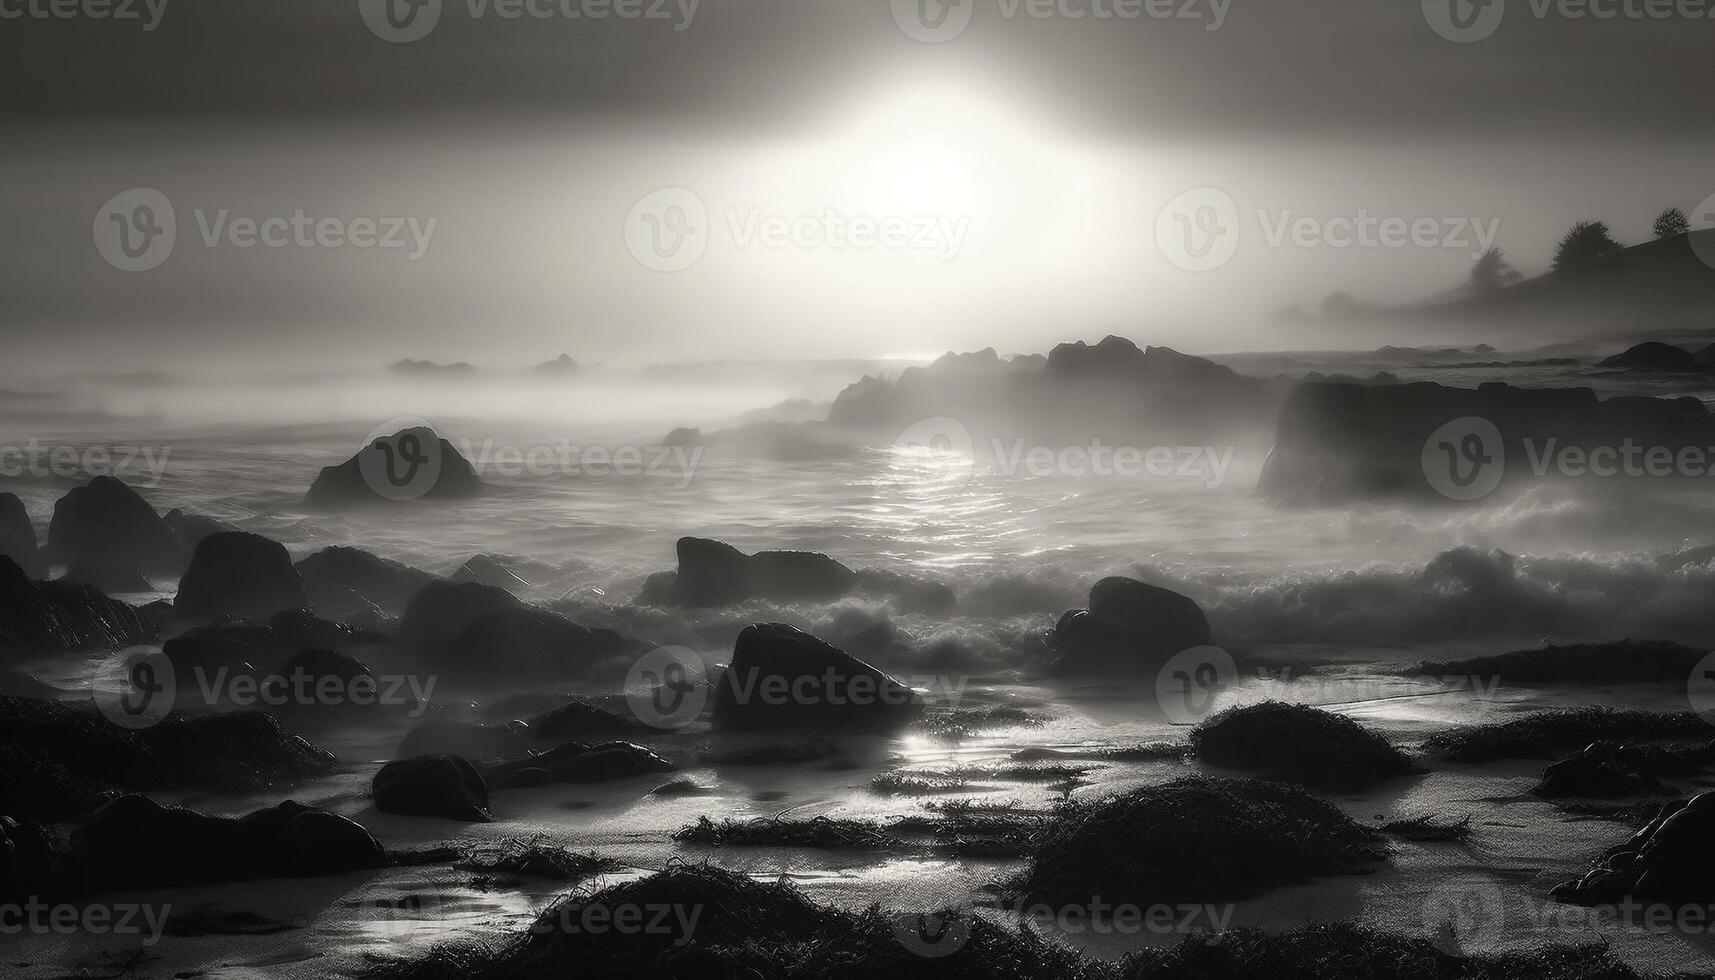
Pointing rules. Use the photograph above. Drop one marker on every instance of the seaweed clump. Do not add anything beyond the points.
(1299, 744)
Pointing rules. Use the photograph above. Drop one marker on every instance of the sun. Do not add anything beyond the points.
(924, 152)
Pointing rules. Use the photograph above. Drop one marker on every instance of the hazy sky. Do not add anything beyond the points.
(844, 187)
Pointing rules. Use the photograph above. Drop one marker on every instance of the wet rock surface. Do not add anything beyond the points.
(432, 786)
(410, 465)
(105, 520)
(46, 617)
(238, 574)
(1131, 627)
(782, 677)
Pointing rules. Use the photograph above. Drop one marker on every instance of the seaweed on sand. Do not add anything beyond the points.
(1556, 731)
(965, 722)
(919, 784)
(534, 857)
(1194, 840)
(1299, 744)
(724, 924)
(825, 833)
(1428, 828)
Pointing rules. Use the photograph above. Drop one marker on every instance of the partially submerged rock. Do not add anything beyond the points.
(782, 677)
(579, 762)
(481, 632)
(1604, 770)
(432, 786)
(1298, 744)
(411, 464)
(135, 842)
(1579, 663)
(105, 520)
(713, 573)
(341, 580)
(50, 617)
(234, 573)
(1130, 628)
(1195, 840)
(1653, 356)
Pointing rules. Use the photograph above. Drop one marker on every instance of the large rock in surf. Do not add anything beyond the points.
(1340, 442)
(18, 537)
(713, 573)
(443, 609)
(782, 677)
(1670, 862)
(48, 617)
(432, 786)
(1653, 356)
(135, 842)
(477, 631)
(234, 573)
(1130, 627)
(342, 580)
(106, 520)
(411, 464)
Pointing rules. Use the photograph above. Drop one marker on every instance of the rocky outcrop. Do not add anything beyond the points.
(48, 617)
(1111, 390)
(1342, 442)
(490, 570)
(105, 520)
(426, 368)
(1130, 628)
(1671, 862)
(578, 718)
(192, 528)
(135, 842)
(432, 786)
(340, 581)
(479, 632)
(559, 366)
(238, 574)
(713, 573)
(411, 464)
(442, 609)
(18, 538)
(1298, 744)
(1653, 356)
(782, 677)
(299, 629)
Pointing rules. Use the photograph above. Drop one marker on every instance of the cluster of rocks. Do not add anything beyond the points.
(713, 573)
(455, 788)
(1671, 861)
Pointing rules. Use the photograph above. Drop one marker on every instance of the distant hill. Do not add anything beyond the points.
(409, 366)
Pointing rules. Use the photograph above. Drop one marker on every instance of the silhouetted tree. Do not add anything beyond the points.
(1586, 244)
(1671, 224)
(1492, 273)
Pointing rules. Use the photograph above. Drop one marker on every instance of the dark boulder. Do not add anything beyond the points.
(411, 464)
(782, 677)
(107, 576)
(1670, 862)
(210, 657)
(1601, 771)
(575, 719)
(578, 762)
(1298, 744)
(300, 629)
(323, 680)
(713, 573)
(442, 610)
(106, 520)
(45, 617)
(234, 573)
(18, 537)
(527, 643)
(432, 786)
(33, 864)
(469, 739)
(341, 581)
(1130, 628)
(1652, 356)
(135, 842)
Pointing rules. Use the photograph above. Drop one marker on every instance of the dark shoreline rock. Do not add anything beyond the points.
(432, 786)
(1131, 628)
(782, 677)
(105, 520)
(1671, 862)
(341, 580)
(713, 573)
(49, 617)
(18, 538)
(409, 465)
(234, 573)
